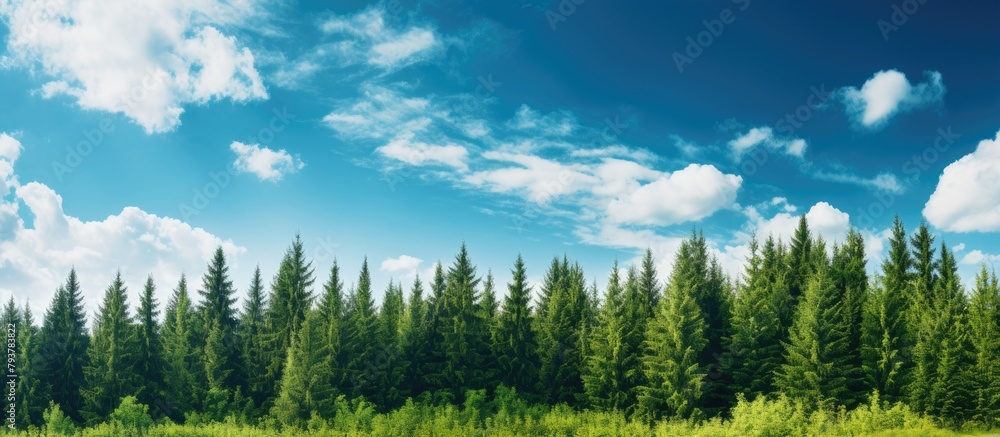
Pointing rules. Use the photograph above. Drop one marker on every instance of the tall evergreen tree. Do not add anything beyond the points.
(414, 339)
(850, 278)
(291, 297)
(946, 342)
(799, 256)
(675, 339)
(217, 313)
(331, 314)
(562, 310)
(390, 392)
(361, 339)
(179, 354)
(31, 401)
(816, 358)
(757, 330)
(433, 367)
(925, 327)
(252, 340)
(516, 344)
(885, 339)
(150, 357)
(63, 348)
(613, 369)
(649, 284)
(305, 384)
(462, 328)
(488, 307)
(113, 356)
(984, 338)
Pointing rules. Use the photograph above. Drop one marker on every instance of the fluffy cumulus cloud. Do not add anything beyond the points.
(268, 165)
(404, 265)
(764, 136)
(968, 192)
(977, 257)
(887, 93)
(538, 179)
(368, 39)
(35, 260)
(692, 193)
(824, 220)
(145, 60)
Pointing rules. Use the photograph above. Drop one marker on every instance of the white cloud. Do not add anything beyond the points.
(540, 179)
(824, 220)
(369, 40)
(888, 93)
(764, 136)
(35, 260)
(967, 195)
(958, 248)
(690, 194)
(618, 151)
(145, 60)
(886, 181)
(404, 148)
(266, 164)
(553, 124)
(405, 264)
(977, 257)
(10, 148)
(783, 203)
(380, 113)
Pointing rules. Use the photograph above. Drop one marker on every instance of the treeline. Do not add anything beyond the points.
(800, 323)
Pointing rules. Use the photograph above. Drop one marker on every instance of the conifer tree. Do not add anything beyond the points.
(390, 392)
(613, 369)
(799, 255)
(462, 326)
(757, 329)
(11, 315)
(675, 338)
(949, 344)
(984, 338)
(850, 278)
(63, 348)
(649, 284)
(305, 384)
(361, 339)
(178, 350)
(331, 315)
(414, 339)
(253, 346)
(150, 357)
(815, 368)
(433, 367)
(291, 297)
(111, 373)
(488, 307)
(31, 401)
(217, 313)
(885, 339)
(560, 342)
(516, 343)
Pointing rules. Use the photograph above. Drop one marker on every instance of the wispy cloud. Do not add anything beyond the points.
(888, 93)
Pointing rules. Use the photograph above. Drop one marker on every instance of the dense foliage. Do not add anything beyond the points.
(804, 342)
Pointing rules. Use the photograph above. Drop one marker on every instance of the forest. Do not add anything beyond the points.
(806, 341)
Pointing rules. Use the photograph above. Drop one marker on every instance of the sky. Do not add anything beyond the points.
(140, 136)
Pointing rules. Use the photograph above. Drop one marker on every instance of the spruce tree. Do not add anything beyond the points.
(885, 340)
(150, 358)
(31, 401)
(613, 369)
(516, 344)
(757, 331)
(390, 392)
(217, 316)
(180, 385)
(361, 339)
(562, 311)
(433, 367)
(488, 307)
(305, 384)
(675, 338)
(414, 339)
(816, 359)
(949, 391)
(850, 278)
(799, 255)
(113, 356)
(462, 328)
(331, 314)
(649, 284)
(984, 337)
(252, 340)
(291, 297)
(63, 348)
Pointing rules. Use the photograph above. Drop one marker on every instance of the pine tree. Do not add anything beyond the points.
(613, 369)
(331, 315)
(361, 339)
(433, 367)
(217, 316)
(305, 384)
(389, 357)
(925, 326)
(949, 390)
(984, 337)
(488, 307)
(799, 255)
(111, 373)
(63, 348)
(885, 339)
(11, 315)
(31, 401)
(414, 339)
(516, 343)
(675, 338)
(816, 359)
(560, 319)
(649, 285)
(714, 298)
(850, 278)
(150, 357)
(179, 354)
(462, 328)
(757, 330)
(290, 298)
(252, 340)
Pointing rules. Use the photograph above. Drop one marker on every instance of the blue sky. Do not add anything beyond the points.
(141, 137)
